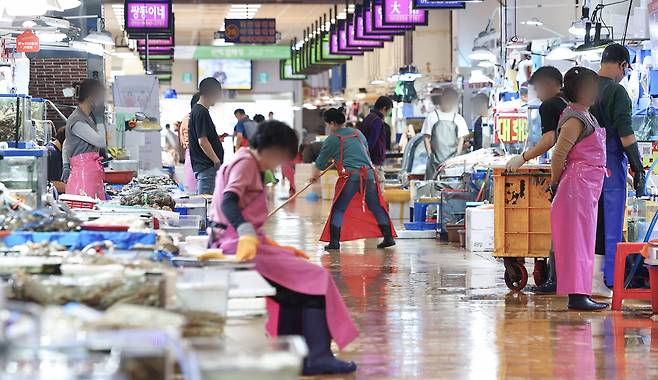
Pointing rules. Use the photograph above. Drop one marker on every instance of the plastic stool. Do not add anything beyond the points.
(619, 292)
(420, 210)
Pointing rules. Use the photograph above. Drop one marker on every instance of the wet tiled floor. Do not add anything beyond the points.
(427, 310)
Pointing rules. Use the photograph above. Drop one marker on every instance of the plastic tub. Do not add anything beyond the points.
(203, 289)
(119, 177)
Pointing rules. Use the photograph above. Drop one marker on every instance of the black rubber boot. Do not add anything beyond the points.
(388, 237)
(585, 303)
(550, 286)
(320, 359)
(290, 320)
(334, 238)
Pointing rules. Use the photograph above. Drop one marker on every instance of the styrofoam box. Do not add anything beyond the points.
(398, 211)
(480, 240)
(480, 218)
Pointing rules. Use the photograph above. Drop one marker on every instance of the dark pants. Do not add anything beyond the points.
(291, 304)
(351, 189)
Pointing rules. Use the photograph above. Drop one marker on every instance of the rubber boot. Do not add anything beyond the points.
(334, 238)
(599, 289)
(290, 320)
(388, 237)
(320, 359)
(585, 303)
(550, 286)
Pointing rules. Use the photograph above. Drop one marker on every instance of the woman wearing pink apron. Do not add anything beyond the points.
(578, 169)
(83, 171)
(183, 136)
(307, 302)
(359, 210)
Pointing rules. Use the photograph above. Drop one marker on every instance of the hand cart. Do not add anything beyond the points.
(522, 215)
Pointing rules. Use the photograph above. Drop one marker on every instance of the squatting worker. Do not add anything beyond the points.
(206, 152)
(377, 132)
(359, 210)
(443, 131)
(307, 301)
(577, 172)
(547, 82)
(55, 163)
(613, 111)
(83, 171)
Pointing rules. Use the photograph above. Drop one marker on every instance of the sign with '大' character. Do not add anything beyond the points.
(402, 12)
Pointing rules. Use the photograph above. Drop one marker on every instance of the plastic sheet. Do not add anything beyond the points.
(78, 240)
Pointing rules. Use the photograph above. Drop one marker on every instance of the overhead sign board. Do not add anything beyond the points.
(402, 12)
(28, 42)
(437, 4)
(250, 31)
(148, 16)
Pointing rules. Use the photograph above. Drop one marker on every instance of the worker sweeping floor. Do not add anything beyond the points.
(428, 310)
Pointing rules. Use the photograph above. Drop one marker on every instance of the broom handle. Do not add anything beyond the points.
(308, 184)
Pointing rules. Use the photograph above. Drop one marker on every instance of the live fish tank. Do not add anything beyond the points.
(16, 118)
(24, 173)
(43, 129)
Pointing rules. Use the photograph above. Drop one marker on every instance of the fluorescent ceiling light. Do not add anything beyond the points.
(221, 42)
(561, 53)
(29, 24)
(482, 54)
(486, 64)
(378, 82)
(26, 8)
(88, 47)
(533, 22)
(51, 36)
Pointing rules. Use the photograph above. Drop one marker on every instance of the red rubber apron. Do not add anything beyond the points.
(359, 222)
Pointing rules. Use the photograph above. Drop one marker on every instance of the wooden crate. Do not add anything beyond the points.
(522, 213)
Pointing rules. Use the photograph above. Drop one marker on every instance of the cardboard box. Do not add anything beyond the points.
(480, 240)
(480, 218)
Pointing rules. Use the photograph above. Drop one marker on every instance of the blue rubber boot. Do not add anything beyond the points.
(320, 359)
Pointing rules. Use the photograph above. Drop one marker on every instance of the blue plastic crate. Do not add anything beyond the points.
(420, 226)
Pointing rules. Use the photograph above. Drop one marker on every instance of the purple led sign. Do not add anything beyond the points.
(352, 42)
(377, 23)
(334, 47)
(157, 42)
(360, 32)
(147, 15)
(402, 12)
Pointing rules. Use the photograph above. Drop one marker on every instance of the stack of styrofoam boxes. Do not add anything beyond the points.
(302, 174)
(480, 228)
(328, 184)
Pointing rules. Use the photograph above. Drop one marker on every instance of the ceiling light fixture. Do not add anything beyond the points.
(23, 8)
(51, 36)
(533, 22)
(561, 53)
(481, 53)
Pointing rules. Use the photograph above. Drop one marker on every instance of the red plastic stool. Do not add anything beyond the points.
(619, 293)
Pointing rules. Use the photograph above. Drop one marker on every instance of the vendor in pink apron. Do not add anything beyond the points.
(83, 171)
(577, 173)
(307, 301)
(359, 210)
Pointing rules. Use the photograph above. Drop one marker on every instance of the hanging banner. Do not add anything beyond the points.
(352, 42)
(325, 50)
(28, 42)
(402, 12)
(377, 14)
(437, 4)
(286, 72)
(250, 31)
(338, 41)
(360, 32)
(148, 16)
(511, 127)
(369, 28)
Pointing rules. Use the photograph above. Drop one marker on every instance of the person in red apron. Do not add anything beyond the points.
(577, 172)
(307, 301)
(83, 171)
(359, 210)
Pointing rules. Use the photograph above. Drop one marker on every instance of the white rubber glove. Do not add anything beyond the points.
(515, 163)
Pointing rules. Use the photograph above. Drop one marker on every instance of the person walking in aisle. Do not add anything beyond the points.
(184, 138)
(613, 111)
(377, 133)
(243, 130)
(82, 170)
(357, 186)
(547, 82)
(577, 172)
(307, 301)
(206, 152)
(443, 131)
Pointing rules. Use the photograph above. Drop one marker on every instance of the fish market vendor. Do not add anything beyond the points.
(83, 171)
(307, 301)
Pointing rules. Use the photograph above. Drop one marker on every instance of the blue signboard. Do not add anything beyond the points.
(250, 31)
(438, 4)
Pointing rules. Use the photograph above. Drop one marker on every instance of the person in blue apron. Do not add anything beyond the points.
(359, 210)
(547, 82)
(613, 111)
(443, 131)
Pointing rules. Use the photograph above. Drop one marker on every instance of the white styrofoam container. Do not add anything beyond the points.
(398, 211)
(480, 218)
(480, 240)
(203, 289)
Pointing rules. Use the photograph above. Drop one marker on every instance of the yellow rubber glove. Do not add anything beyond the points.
(295, 251)
(247, 247)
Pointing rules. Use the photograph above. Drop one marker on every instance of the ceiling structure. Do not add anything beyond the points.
(197, 21)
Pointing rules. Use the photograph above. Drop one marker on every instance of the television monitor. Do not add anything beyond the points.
(233, 74)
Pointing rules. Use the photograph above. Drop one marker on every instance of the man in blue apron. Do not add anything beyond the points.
(613, 111)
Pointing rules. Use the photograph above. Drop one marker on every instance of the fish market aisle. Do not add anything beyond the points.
(427, 310)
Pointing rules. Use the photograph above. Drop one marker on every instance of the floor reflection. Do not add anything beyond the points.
(430, 311)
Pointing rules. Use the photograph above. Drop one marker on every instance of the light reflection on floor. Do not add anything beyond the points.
(427, 310)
